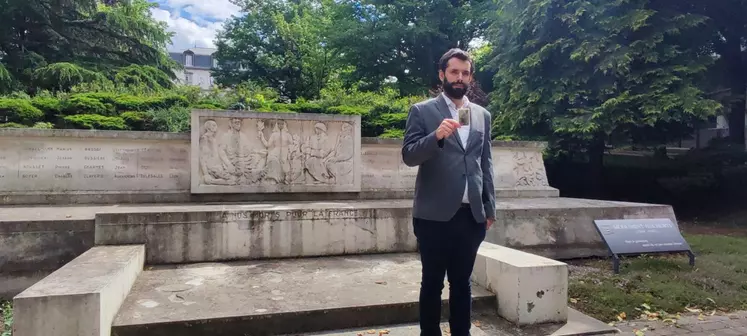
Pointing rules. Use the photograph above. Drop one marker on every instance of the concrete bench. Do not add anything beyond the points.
(82, 297)
(530, 289)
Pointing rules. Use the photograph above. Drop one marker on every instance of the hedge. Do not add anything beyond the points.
(94, 121)
(19, 111)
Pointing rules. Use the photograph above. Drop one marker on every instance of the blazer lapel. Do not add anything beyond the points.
(444, 109)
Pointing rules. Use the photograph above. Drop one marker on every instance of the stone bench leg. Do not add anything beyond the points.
(530, 289)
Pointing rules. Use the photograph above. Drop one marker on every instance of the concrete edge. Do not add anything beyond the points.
(507, 280)
(42, 309)
(168, 136)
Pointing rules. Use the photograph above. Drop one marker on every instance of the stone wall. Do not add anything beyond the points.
(105, 167)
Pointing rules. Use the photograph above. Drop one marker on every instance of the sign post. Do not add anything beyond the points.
(640, 236)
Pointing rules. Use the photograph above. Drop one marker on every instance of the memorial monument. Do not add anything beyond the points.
(256, 188)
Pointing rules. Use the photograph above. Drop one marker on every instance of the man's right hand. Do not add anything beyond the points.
(447, 127)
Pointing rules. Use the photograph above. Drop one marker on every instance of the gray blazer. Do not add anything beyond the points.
(444, 165)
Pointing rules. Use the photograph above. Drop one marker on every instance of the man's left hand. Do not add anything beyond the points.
(490, 223)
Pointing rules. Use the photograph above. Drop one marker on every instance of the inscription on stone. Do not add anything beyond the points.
(43, 164)
(274, 152)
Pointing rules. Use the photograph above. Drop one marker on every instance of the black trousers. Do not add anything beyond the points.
(447, 249)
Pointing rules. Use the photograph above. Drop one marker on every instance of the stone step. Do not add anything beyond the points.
(270, 297)
(409, 329)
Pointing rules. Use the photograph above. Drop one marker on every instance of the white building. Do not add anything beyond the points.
(198, 64)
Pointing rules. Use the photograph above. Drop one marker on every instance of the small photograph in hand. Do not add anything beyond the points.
(463, 116)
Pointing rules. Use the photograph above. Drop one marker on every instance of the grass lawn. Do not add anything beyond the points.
(661, 285)
(6, 318)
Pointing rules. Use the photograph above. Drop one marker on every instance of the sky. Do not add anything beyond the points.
(194, 22)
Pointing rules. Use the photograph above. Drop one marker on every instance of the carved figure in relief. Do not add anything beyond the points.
(274, 167)
(249, 163)
(295, 161)
(340, 163)
(317, 152)
(529, 170)
(228, 158)
(215, 166)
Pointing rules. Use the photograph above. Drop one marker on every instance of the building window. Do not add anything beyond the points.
(188, 60)
(188, 77)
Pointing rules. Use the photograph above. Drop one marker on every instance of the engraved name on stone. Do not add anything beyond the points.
(62, 164)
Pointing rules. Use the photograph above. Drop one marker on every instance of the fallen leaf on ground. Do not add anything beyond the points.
(477, 323)
(381, 282)
(371, 331)
(621, 316)
(574, 300)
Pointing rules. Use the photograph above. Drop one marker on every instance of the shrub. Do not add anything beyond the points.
(175, 119)
(138, 121)
(94, 121)
(87, 104)
(43, 125)
(393, 134)
(19, 111)
(50, 106)
(12, 125)
(207, 106)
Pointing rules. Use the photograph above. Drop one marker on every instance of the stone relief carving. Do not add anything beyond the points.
(289, 152)
(529, 169)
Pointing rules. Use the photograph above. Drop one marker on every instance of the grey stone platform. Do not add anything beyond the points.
(36, 240)
(327, 296)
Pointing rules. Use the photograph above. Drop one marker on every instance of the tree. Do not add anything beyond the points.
(580, 72)
(404, 38)
(281, 44)
(726, 33)
(72, 38)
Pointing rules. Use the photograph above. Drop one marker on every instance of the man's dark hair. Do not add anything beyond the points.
(458, 53)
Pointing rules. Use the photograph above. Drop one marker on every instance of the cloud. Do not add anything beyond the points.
(194, 22)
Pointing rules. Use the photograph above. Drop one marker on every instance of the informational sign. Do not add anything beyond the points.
(641, 236)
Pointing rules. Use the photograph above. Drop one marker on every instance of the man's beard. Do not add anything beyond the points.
(454, 92)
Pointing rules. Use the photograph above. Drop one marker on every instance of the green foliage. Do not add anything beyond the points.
(579, 71)
(174, 119)
(137, 121)
(86, 104)
(19, 111)
(43, 125)
(49, 105)
(665, 283)
(12, 125)
(6, 317)
(94, 122)
(63, 76)
(280, 44)
(58, 45)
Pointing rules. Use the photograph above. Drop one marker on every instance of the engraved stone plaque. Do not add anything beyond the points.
(70, 165)
(257, 152)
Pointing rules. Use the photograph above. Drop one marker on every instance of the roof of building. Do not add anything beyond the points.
(202, 51)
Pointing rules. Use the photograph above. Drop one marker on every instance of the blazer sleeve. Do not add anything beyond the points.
(488, 188)
(419, 145)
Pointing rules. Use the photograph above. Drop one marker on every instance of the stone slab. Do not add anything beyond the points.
(578, 324)
(264, 297)
(530, 289)
(383, 174)
(39, 165)
(410, 329)
(258, 231)
(82, 297)
(255, 152)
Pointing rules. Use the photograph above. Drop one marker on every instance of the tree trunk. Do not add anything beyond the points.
(595, 179)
